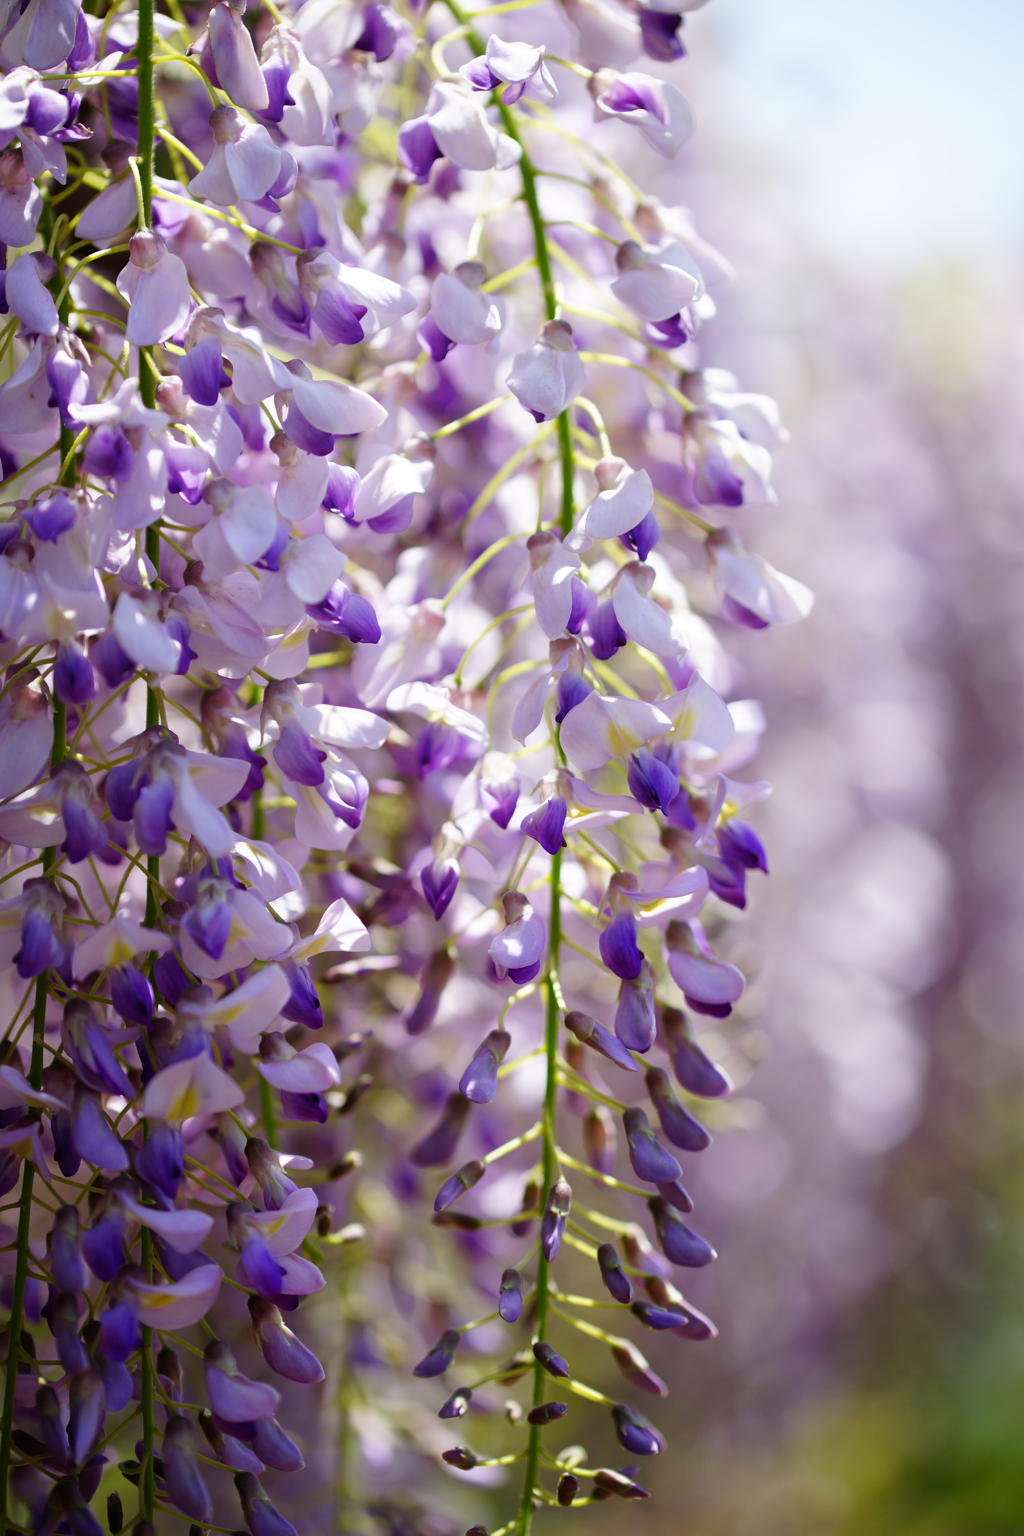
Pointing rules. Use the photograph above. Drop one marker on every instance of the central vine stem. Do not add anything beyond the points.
(549, 1163)
(528, 172)
(549, 1174)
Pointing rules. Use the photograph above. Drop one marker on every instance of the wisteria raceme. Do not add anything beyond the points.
(370, 528)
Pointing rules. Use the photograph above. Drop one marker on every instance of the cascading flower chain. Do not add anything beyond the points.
(363, 566)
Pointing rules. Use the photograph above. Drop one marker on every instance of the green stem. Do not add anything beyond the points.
(528, 172)
(550, 1173)
(147, 107)
(147, 135)
(267, 1111)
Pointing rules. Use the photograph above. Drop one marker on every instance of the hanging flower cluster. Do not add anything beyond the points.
(363, 567)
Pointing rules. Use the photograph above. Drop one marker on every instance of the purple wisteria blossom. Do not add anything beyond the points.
(371, 807)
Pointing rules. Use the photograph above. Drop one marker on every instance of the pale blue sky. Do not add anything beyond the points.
(902, 120)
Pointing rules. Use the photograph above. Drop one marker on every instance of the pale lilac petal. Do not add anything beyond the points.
(615, 511)
(333, 405)
(109, 214)
(311, 567)
(143, 638)
(313, 1070)
(252, 1008)
(28, 297)
(600, 729)
(644, 621)
(183, 1230)
(283, 1230)
(187, 1088)
(301, 1276)
(180, 1304)
(338, 930)
(161, 302)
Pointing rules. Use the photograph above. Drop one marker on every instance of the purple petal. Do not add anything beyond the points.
(438, 1359)
(94, 1138)
(651, 1162)
(115, 668)
(40, 947)
(74, 680)
(102, 1244)
(160, 1161)
(479, 1082)
(679, 1243)
(305, 436)
(571, 690)
(296, 755)
(433, 339)
(439, 886)
(202, 371)
(619, 949)
(381, 31)
(660, 33)
(545, 825)
(119, 1331)
(678, 1124)
(182, 1477)
(606, 633)
(131, 994)
(635, 1434)
(258, 1268)
(311, 1108)
(303, 1005)
(273, 1447)
(583, 604)
(337, 318)
(50, 518)
(417, 148)
(151, 817)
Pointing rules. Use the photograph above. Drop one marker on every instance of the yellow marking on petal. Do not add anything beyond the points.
(158, 1299)
(229, 1015)
(185, 1103)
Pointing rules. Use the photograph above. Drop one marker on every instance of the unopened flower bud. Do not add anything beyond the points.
(454, 1188)
(456, 1406)
(552, 1362)
(556, 1214)
(636, 1434)
(679, 1243)
(437, 1360)
(510, 1296)
(460, 1456)
(676, 1121)
(479, 1082)
(568, 1488)
(616, 1281)
(649, 1158)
